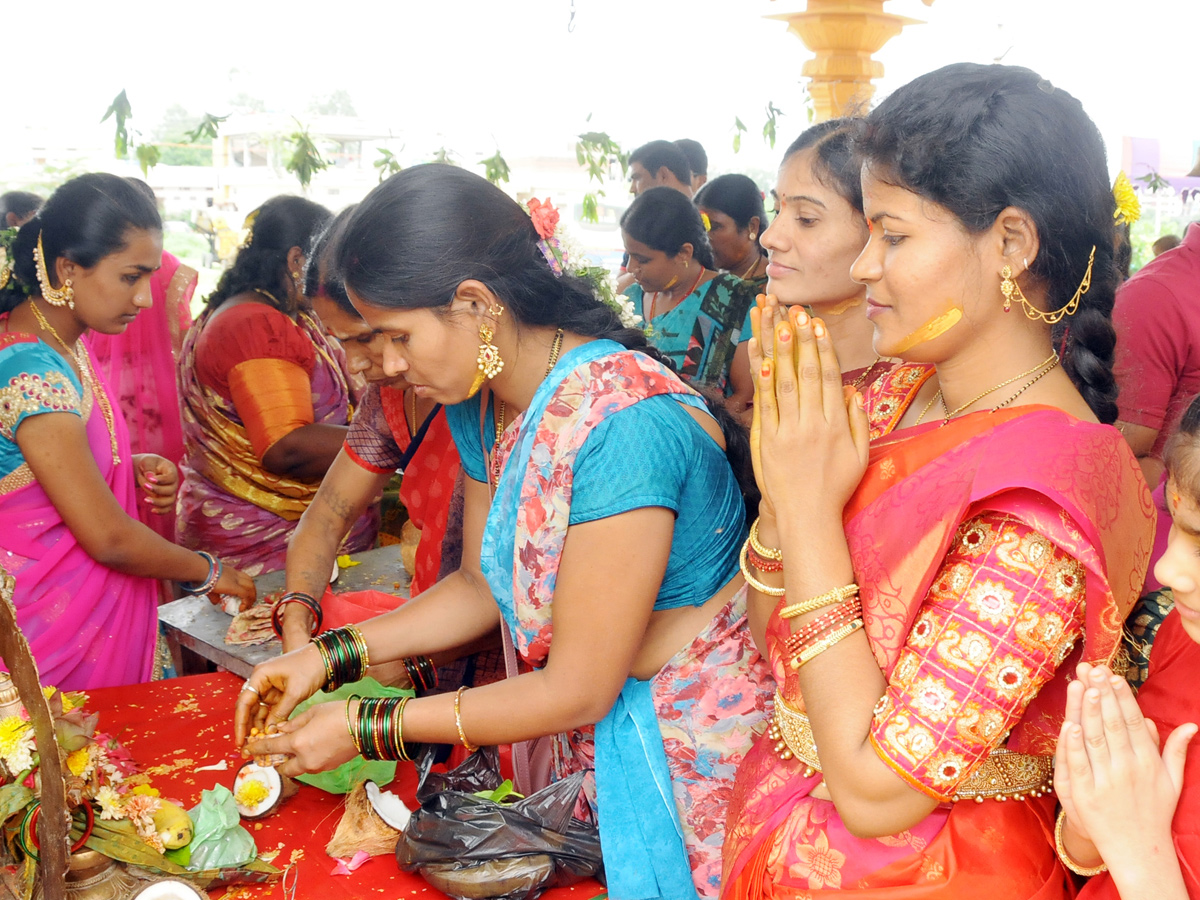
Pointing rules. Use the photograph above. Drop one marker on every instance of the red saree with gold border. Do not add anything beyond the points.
(1077, 485)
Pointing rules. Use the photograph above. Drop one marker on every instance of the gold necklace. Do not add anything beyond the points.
(753, 266)
(858, 382)
(1045, 365)
(555, 349)
(89, 379)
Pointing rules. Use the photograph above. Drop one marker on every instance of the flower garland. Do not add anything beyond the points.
(8, 278)
(561, 253)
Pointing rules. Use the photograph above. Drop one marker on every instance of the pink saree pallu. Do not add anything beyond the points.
(88, 626)
(1076, 490)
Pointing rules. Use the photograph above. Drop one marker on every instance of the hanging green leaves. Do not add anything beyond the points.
(120, 111)
(206, 129)
(387, 164)
(148, 156)
(596, 152)
(495, 168)
(773, 114)
(305, 160)
(738, 128)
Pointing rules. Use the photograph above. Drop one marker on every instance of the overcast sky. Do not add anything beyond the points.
(479, 74)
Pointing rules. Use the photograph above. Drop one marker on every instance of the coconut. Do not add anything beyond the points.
(259, 790)
(519, 876)
(362, 827)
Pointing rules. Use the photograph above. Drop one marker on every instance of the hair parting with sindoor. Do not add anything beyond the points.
(977, 139)
(421, 233)
(85, 220)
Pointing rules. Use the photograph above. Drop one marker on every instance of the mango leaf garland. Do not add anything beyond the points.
(120, 111)
(207, 129)
(305, 160)
(495, 168)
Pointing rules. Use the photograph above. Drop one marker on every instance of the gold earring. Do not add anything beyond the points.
(1008, 287)
(296, 278)
(63, 296)
(489, 361)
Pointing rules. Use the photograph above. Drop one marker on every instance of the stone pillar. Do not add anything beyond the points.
(843, 34)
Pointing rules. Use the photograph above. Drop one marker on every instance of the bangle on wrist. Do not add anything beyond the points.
(837, 595)
(308, 601)
(756, 545)
(462, 735)
(215, 569)
(1065, 857)
(751, 580)
(344, 654)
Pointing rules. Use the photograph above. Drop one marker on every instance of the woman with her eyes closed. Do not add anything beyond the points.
(979, 527)
(817, 232)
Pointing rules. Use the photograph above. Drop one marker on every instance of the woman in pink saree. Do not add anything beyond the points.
(979, 529)
(70, 485)
(139, 368)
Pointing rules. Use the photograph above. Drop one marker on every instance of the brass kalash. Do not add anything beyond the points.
(62, 874)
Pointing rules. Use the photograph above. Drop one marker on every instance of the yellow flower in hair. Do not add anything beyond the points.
(707, 222)
(1129, 208)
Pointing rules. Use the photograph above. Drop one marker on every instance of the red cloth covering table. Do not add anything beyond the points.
(172, 727)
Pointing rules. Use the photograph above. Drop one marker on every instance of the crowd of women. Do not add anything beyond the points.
(855, 488)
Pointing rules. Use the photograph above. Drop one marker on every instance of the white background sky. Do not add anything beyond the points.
(474, 75)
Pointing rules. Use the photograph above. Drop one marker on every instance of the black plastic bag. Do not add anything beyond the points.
(471, 847)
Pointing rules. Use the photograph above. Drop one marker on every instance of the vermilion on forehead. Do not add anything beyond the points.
(1183, 510)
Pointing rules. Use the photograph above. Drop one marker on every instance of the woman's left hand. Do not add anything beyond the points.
(159, 479)
(812, 431)
(317, 740)
(1117, 789)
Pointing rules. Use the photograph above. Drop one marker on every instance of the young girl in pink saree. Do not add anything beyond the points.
(977, 531)
(69, 484)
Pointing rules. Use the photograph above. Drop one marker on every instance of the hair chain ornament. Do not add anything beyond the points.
(63, 296)
(90, 380)
(1010, 289)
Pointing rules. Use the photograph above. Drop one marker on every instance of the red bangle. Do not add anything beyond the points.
(308, 602)
(763, 563)
(843, 612)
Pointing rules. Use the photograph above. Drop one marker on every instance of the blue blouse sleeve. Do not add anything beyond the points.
(34, 380)
(463, 419)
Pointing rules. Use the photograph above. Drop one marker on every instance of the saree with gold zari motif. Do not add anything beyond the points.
(229, 504)
(993, 553)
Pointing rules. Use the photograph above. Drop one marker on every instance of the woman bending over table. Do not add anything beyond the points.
(602, 526)
(981, 530)
(70, 487)
(266, 399)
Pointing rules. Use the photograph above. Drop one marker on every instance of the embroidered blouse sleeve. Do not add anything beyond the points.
(34, 380)
(1003, 612)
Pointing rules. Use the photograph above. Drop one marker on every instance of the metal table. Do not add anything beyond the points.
(194, 624)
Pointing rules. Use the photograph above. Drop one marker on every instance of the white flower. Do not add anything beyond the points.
(110, 803)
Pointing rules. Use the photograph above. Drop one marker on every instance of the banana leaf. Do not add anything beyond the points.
(118, 840)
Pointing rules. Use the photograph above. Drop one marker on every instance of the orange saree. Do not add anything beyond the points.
(993, 553)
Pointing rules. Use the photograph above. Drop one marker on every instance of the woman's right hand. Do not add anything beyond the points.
(764, 315)
(275, 688)
(234, 583)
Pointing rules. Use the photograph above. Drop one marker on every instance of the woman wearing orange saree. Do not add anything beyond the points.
(979, 528)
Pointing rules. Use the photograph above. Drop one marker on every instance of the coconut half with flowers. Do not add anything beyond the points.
(259, 791)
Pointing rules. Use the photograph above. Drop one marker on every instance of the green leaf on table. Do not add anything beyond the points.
(181, 856)
(13, 799)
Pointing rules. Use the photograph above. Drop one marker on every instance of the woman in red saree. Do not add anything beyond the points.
(928, 601)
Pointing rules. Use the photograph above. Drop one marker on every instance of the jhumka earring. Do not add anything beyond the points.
(63, 296)
(1008, 287)
(489, 362)
(296, 278)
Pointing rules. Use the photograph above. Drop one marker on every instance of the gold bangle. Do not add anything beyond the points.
(352, 724)
(1064, 857)
(837, 595)
(751, 580)
(401, 750)
(360, 643)
(811, 653)
(462, 736)
(764, 552)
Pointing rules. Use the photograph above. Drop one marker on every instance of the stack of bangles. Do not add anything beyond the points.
(344, 653)
(765, 559)
(308, 601)
(376, 726)
(825, 630)
(215, 569)
(421, 672)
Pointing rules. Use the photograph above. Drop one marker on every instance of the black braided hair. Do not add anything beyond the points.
(85, 220)
(977, 139)
(279, 225)
(421, 233)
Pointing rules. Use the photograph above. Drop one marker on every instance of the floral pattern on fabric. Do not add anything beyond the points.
(1003, 613)
(30, 393)
(711, 700)
(890, 395)
(1141, 629)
